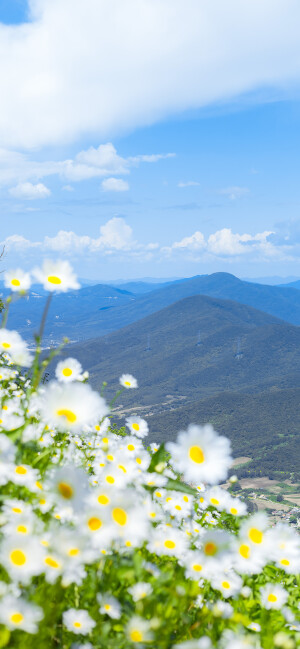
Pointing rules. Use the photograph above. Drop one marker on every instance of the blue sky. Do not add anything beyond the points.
(167, 188)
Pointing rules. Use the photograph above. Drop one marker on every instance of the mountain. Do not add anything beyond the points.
(295, 284)
(197, 350)
(99, 310)
(66, 310)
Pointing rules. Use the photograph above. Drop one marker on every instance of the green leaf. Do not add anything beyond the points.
(175, 485)
(160, 456)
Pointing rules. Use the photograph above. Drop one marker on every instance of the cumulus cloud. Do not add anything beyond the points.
(114, 185)
(189, 183)
(116, 238)
(229, 48)
(223, 243)
(30, 192)
(234, 192)
(87, 164)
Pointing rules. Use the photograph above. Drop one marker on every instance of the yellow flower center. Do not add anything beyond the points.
(67, 371)
(136, 636)
(110, 479)
(77, 625)
(21, 470)
(256, 536)
(285, 562)
(196, 454)
(233, 511)
(22, 529)
(6, 345)
(18, 558)
(15, 282)
(120, 466)
(16, 618)
(130, 447)
(73, 552)
(197, 567)
(65, 490)
(110, 458)
(52, 279)
(214, 501)
(51, 562)
(105, 440)
(119, 516)
(244, 551)
(210, 549)
(178, 507)
(107, 607)
(170, 544)
(135, 427)
(103, 500)
(94, 523)
(138, 460)
(127, 383)
(226, 584)
(272, 598)
(17, 510)
(68, 414)
(38, 485)
(186, 499)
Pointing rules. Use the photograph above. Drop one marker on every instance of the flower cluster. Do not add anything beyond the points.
(108, 542)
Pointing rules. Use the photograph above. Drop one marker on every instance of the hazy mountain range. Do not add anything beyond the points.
(98, 310)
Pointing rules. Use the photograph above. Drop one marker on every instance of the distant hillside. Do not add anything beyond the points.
(295, 284)
(198, 350)
(98, 310)
(263, 426)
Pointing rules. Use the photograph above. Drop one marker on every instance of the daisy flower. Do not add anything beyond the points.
(128, 381)
(68, 370)
(138, 630)
(137, 426)
(56, 276)
(200, 454)
(22, 557)
(140, 590)
(273, 596)
(109, 605)
(69, 484)
(228, 583)
(78, 621)
(167, 540)
(17, 280)
(72, 407)
(16, 613)
(12, 343)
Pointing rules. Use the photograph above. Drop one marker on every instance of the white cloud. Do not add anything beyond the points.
(116, 238)
(234, 192)
(114, 185)
(195, 242)
(67, 188)
(136, 62)
(91, 163)
(30, 192)
(189, 183)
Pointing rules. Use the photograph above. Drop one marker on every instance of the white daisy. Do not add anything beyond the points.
(72, 407)
(228, 583)
(16, 613)
(137, 426)
(22, 557)
(200, 454)
(78, 621)
(273, 596)
(140, 590)
(17, 280)
(68, 370)
(56, 276)
(109, 605)
(128, 381)
(12, 343)
(138, 630)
